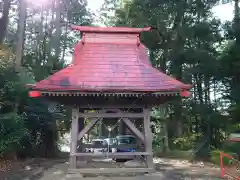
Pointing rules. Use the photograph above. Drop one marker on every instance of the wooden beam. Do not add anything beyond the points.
(111, 115)
(74, 135)
(133, 128)
(87, 128)
(111, 171)
(110, 146)
(118, 154)
(94, 106)
(148, 136)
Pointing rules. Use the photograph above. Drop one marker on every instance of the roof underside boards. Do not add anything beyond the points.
(104, 63)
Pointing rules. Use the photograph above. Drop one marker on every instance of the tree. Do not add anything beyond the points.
(21, 32)
(4, 19)
(38, 48)
(230, 63)
(184, 44)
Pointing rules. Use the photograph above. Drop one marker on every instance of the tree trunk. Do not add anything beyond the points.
(163, 60)
(199, 88)
(236, 24)
(51, 30)
(165, 137)
(21, 35)
(207, 89)
(39, 37)
(4, 19)
(58, 29)
(65, 42)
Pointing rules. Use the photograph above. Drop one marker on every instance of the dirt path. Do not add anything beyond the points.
(167, 169)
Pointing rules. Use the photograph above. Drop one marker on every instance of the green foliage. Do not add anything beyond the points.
(185, 43)
(157, 142)
(28, 126)
(186, 142)
(12, 131)
(13, 128)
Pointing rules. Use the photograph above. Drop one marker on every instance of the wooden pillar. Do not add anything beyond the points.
(148, 136)
(81, 125)
(74, 138)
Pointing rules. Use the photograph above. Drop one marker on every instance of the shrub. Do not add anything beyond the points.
(11, 132)
(186, 142)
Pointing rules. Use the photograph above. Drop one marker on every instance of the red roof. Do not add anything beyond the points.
(110, 59)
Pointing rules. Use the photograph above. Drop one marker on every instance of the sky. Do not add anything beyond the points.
(223, 12)
(95, 4)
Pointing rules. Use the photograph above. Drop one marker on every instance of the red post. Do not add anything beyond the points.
(221, 165)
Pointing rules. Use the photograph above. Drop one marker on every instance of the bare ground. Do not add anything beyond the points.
(166, 169)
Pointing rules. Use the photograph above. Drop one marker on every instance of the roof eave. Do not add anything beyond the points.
(34, 87)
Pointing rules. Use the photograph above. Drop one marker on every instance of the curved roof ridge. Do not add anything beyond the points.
(110, 29)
